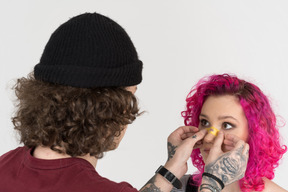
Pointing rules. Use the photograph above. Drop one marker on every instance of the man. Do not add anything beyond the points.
(76, 105)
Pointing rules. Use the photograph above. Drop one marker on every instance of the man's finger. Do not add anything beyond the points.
(227, 148)
(186, 135)
(198, 136)
(186, 129)
(246, 150)
(181, 133)
(233, 138)
(217, 143)
(189, 129)
(239, 144)
(228, 142)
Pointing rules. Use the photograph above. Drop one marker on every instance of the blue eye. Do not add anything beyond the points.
(228, 126)
(204, 123)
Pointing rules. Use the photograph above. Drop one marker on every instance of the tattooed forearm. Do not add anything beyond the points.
(171, 150)
(152, 180)
(150, 186)
(229, 167)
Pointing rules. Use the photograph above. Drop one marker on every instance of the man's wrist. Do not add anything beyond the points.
(169, 176)
(176, 170)
(215, 178)
(209, 181)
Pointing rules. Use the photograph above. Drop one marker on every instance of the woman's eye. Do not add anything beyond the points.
(204, 123)
(227, 126)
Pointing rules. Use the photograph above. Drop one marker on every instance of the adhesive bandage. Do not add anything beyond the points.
(213, 130)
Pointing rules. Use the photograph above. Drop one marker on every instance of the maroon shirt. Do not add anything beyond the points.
(20, 171)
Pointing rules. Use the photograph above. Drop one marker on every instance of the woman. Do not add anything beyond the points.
(236, 107)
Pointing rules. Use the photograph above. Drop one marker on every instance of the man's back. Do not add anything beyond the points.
(20, 171)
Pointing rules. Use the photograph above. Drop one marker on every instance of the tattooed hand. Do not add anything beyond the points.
(178, 136)
(230, 166)
(180, 145)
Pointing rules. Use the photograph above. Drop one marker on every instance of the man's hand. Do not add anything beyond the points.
(229, 166)
(180, 145)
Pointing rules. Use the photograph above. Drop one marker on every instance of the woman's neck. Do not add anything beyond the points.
(232, 187)
(41, 152)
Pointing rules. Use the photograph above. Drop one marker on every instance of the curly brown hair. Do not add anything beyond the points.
(78, 120)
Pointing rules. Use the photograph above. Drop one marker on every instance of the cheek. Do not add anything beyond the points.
(244, 133)
(241, 132)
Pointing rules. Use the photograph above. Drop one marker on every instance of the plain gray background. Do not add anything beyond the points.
(178, 42)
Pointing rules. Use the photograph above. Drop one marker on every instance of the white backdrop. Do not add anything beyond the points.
(179, 42)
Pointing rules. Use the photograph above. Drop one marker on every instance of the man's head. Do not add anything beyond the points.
(90, 50)
(80, 97)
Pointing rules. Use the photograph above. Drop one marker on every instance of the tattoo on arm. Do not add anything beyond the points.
(210, 182)
(171, 150)
(150, 186)
(229, 167)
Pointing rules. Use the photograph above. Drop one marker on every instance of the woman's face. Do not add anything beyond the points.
(225, 113)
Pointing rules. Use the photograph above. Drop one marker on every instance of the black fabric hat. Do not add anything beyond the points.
(90, 50)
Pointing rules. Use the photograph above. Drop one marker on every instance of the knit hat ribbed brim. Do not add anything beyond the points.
(90, 50)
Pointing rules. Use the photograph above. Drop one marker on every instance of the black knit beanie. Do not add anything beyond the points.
(90, 50)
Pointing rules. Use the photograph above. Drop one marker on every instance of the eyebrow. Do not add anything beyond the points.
(227, 117)
(220, 117)
(203, 116)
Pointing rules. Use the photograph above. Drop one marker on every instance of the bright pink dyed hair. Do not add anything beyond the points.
(265, 148)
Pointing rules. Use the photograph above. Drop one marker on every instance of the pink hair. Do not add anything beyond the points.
(264, 139)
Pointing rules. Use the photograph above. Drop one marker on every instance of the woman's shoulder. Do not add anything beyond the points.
(271, 186)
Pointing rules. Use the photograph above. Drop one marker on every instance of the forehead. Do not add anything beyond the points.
(222, 105)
